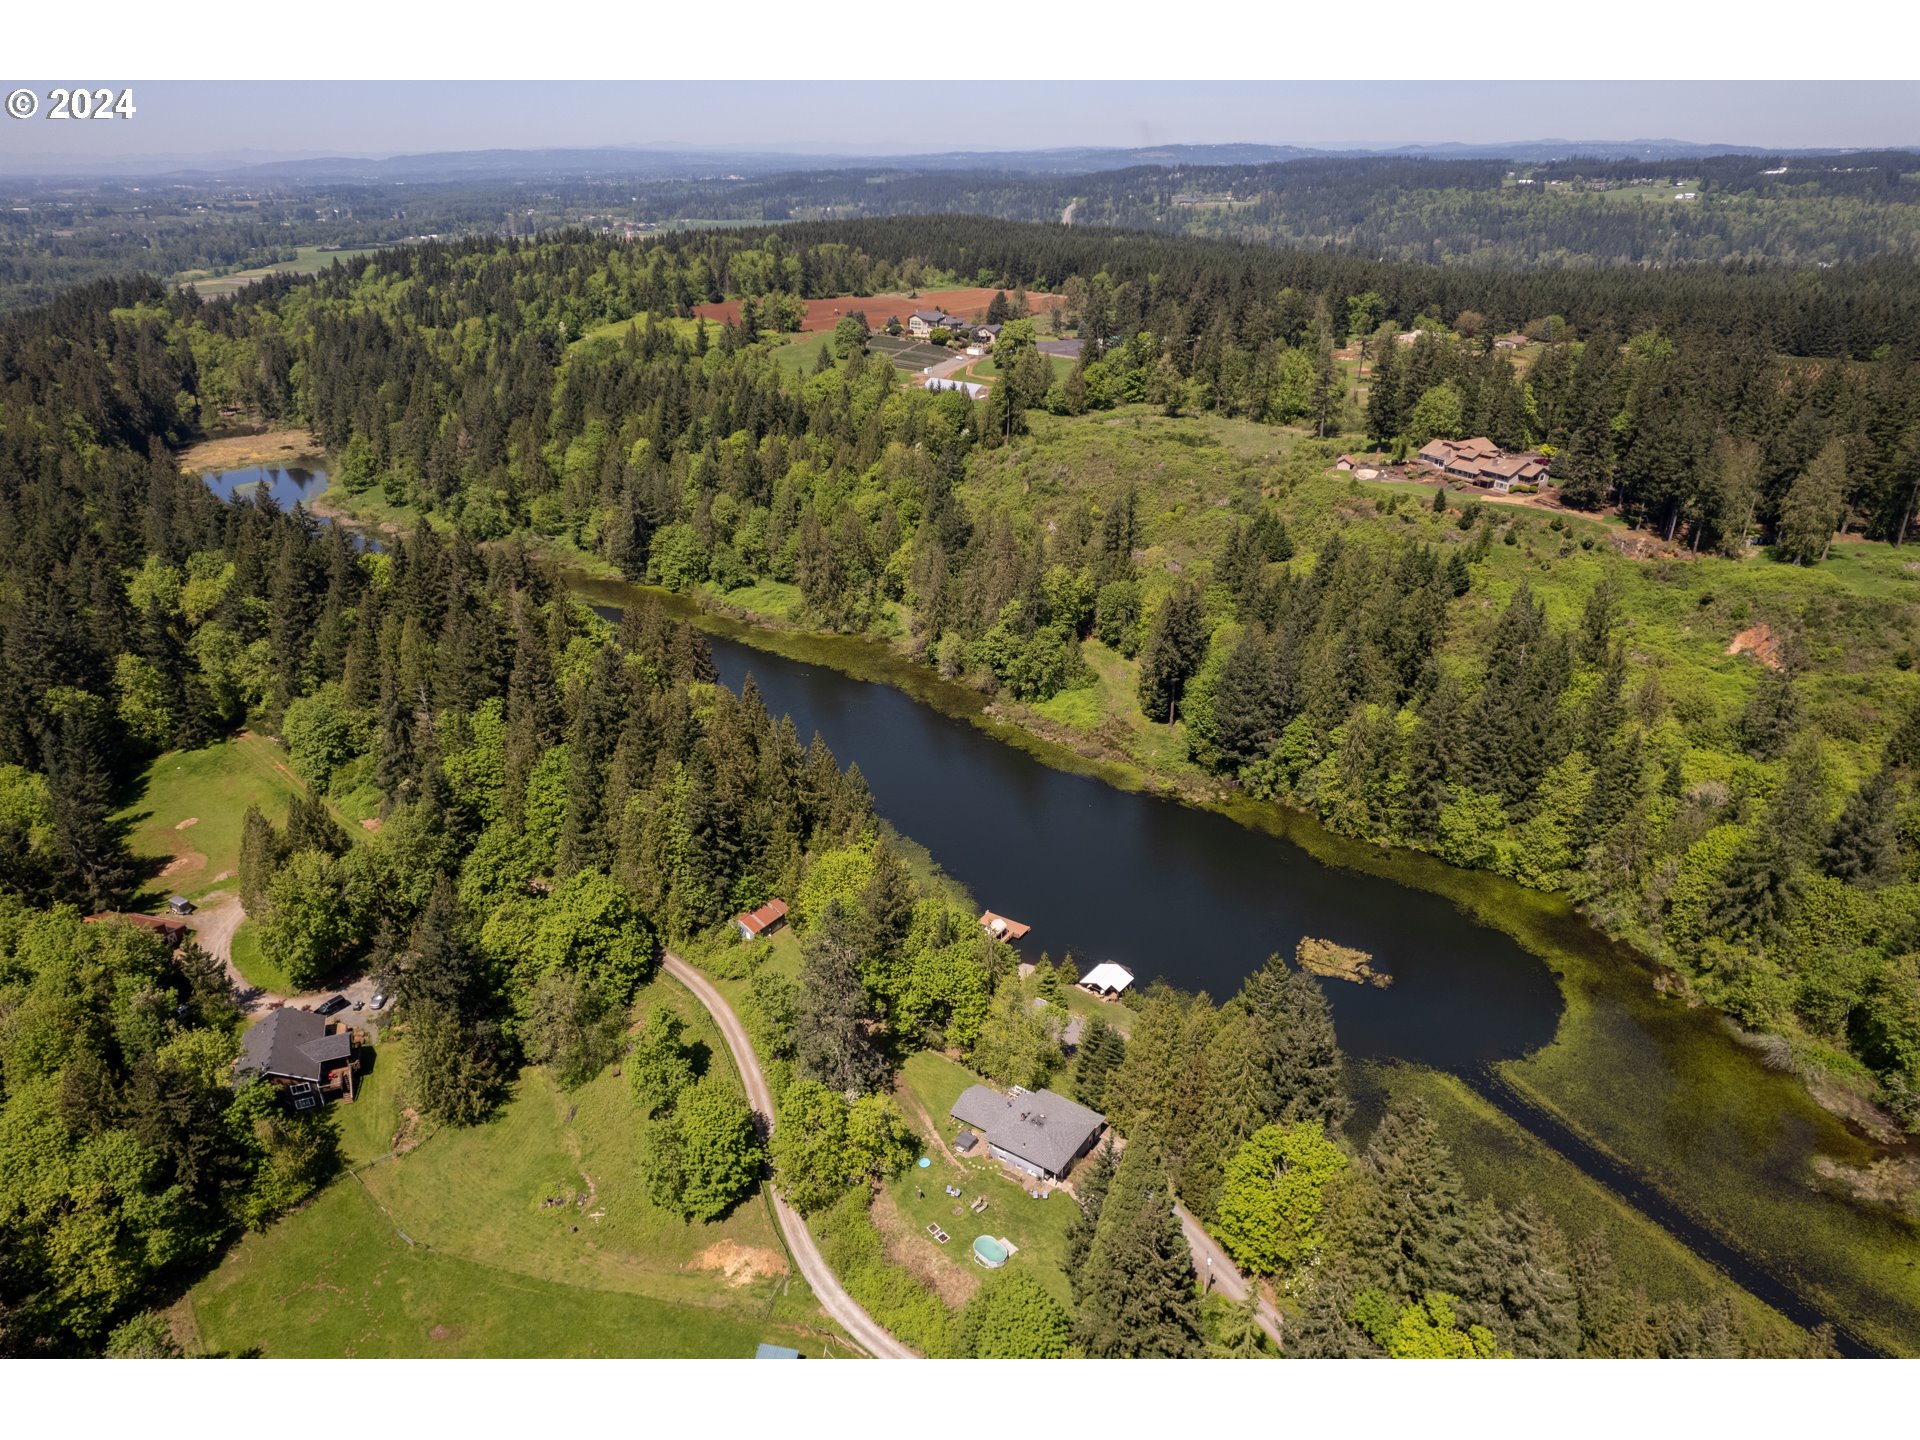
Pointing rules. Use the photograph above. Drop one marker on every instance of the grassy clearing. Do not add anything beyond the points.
(335, 1280)
(1037, 1227)
(774, 599)
(985, 368)
(310, 260)
(1092, 1007)
(799, 354)
(206, 791)
(491, 1270)
(616, 330)
(254, 967)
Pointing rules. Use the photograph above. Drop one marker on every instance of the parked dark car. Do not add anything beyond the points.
(331, 1007)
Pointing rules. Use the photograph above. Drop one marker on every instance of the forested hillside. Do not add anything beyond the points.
(1798, 211)
(557, 796)
(1359, 671)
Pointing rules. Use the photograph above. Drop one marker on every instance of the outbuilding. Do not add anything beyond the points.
(1107, 978)
(752, 924)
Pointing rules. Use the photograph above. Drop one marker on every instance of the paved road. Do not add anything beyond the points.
(1226, 1279)
(833, 1297)
(945, 369)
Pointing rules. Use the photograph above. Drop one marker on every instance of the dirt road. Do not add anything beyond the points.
(213, 925)
(1209, 1260)
(864, 1329)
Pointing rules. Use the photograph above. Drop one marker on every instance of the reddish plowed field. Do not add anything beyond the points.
(825, 314)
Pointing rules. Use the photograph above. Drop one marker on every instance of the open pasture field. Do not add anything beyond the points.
(531, 1234)
(186, 814)
(969, 304)
(311, 260)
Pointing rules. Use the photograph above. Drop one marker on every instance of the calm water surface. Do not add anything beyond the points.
(289, 485)
(1166, 890)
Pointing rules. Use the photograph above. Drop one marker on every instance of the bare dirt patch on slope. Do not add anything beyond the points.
(739, 1264)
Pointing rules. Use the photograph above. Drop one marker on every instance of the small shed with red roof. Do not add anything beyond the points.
(755, 923)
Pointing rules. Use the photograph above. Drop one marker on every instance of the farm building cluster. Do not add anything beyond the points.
(1480, 462)
(922, 323)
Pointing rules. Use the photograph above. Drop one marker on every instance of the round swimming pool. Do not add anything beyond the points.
(989, 1252)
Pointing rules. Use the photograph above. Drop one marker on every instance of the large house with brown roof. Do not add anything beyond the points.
(1483, 463)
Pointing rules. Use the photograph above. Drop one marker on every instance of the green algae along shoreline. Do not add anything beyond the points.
(1664, 1091)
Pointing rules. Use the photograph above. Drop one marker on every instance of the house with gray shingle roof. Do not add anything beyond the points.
(1038, 1131)
(300, 1051)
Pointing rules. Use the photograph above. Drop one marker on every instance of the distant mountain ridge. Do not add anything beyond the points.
(643, 162)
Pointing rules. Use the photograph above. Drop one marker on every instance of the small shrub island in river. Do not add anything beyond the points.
(1340, 962)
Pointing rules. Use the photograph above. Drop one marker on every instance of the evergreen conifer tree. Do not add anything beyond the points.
(1404, 1239)
(1137, 1299)
(1864, 848)
(1176, 644)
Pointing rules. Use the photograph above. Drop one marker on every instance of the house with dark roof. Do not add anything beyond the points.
(308, 1056)
(923, 323)
(1036, 1131)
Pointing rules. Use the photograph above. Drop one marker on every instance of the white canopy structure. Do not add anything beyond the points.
(1107, 978)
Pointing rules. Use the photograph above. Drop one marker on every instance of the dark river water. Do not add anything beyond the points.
(1163, 889)
(1200, 900)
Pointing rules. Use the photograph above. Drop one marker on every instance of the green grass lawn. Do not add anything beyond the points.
(937, 1082)
(617, 329)
(211, 788)
(798, 354)
(490, 1270)
(1037, 1227)
(337, 1281)
(985, 368)
(1109, 707)
(254, 967)
(1092, 1007)
(775, 599)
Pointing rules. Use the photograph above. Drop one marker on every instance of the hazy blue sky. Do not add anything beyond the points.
(356, 117)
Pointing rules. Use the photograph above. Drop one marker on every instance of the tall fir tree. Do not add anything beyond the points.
(1405, 1237)
(1138, 1299)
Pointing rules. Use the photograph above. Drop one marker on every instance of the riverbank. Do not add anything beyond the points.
(1665, 1090)
(1741, 1150)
